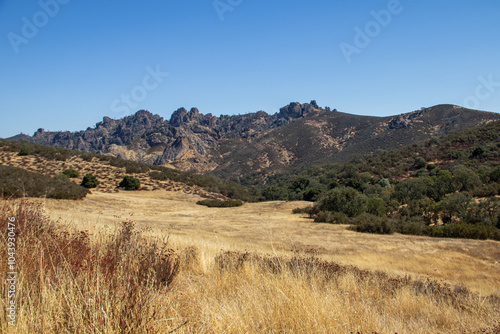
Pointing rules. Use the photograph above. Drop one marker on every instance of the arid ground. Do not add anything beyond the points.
(271, 228)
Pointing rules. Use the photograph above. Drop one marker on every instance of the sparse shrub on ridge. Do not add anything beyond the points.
(25, 150)
(71, 173)
(130, 183)
(89, 181)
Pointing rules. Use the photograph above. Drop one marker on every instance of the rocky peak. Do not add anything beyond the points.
(297, 110)
(182, 116)
(193, 114)
(178, 117)
(39, 132)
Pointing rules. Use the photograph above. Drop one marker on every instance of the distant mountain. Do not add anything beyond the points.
(234, 146)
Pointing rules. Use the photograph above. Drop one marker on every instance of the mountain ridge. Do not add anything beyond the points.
(233, 146)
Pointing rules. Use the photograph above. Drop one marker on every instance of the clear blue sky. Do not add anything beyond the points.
(85, 56)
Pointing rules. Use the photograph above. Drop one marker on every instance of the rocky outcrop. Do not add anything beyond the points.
(297, 110)
(242, 144)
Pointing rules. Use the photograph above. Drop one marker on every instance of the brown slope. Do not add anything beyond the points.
(336, 137)
(109, 176)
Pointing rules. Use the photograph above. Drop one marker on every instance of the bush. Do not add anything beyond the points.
(130, 183)
(71, 173)
(478, 152)
(345, 200)
(89, 181)
(312, 195)
(487, 190)
(274, 193)
(465, 178)
(463, 230)
(412, 226)
(212, 203)
(384, 183)
(368, 223)
(376, 207)
(430, 167)
(495, 174)
(419, 163)
(25, 151)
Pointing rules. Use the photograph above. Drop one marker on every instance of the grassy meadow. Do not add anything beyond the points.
(155, 262)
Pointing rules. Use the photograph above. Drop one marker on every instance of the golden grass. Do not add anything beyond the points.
(113, 280)
(271, 228)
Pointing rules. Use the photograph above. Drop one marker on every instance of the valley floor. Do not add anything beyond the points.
(271, 228)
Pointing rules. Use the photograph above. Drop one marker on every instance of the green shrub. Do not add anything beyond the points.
(300, 184)
(368, 223)
(89, 181)
(345, 200)
(210, 183)
(275, 193)
(478, 152)
(419, 163)
(412, 226)
(376, 207)
(487, 190)
(356, 184)
(71, 173)
(463, 230)
(212, 203)
(130, 183)
(430, 167)
(465, 178)
(384, 183)
(454, 205)
(495, 174)
(25, 151)
(312, 195)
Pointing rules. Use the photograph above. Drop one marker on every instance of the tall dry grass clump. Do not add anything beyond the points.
(70, 283)
(251, 293)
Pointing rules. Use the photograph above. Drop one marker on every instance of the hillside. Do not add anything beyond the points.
(50, 163)
(235, 146)
(474, 148)
(442, 187)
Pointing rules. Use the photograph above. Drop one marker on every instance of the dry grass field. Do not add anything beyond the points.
(252, 269)
(271, 228)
